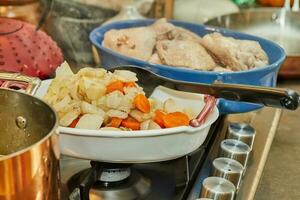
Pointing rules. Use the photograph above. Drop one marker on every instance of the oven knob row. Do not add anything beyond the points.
(229, 168)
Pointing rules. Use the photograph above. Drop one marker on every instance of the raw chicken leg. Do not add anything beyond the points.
(235, 54)
(184, 53)
(134, 42)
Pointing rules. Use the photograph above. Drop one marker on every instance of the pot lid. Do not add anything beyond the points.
(7, 27)
(25, 50)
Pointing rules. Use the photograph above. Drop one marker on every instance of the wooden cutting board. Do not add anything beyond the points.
(290, 68)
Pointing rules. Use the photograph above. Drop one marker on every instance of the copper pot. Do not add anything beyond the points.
(29, 146)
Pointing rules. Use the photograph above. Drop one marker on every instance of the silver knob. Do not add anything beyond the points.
(218, 189)
(242, 132)
(21, 122)
(235, 150)
(229, 169)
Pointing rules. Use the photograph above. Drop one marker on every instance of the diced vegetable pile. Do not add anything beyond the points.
(97, 99)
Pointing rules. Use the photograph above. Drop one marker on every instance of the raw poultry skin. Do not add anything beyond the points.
(162, 27)
(167, 31)
(177, 46)
(133, 42)
(184, 53)
(233, 53)
(155, 59)
(165, 43)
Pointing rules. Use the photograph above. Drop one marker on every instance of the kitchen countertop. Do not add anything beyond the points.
(265, 122)
(281, 175)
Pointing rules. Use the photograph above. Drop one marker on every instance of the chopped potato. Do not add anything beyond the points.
(125, 75)
(69, 117)
(153, 125)
(171, 106)
(155, 104)
(140, 116)
(126, 104)
(145, 125)
(73, 105)
(87, 108)
(114, 99)
(90, 121)
(64, 70)
(92, 72)
(149, 125)
(95, 91)
(117, 113)
(62, 104)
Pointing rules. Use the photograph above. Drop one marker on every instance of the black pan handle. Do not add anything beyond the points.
(268, 96)
(272, 97)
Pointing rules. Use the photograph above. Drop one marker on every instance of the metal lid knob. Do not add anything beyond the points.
(236, 150)
(242, 128)
(217, 188)
(242, 132)
(229, 169)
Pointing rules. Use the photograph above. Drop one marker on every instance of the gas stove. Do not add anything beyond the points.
(169, 180)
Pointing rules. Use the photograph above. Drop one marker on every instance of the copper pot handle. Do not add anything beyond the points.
(33, 83)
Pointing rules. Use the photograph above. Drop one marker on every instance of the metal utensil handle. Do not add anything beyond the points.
(33, 82)
(273, 97)
(268, 96)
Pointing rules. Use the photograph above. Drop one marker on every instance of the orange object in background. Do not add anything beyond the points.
(273, 3)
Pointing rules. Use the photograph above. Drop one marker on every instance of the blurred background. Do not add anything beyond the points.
(70, 22)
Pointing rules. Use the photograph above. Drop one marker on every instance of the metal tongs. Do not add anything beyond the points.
(268, 96)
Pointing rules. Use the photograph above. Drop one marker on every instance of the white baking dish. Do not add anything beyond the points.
(137, 146)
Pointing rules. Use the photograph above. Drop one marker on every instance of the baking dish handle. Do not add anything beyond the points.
(29, 84)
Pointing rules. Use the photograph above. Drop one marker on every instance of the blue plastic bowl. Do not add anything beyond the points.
(265, 76)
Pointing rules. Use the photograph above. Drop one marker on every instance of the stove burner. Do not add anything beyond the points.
(136, 187)
(114, 175)
(108, 181)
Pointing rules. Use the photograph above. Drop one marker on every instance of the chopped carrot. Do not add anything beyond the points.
(131, 123)
(158, 118)
(74, 122)
(142, 103)
(116, 85)
(115, 122)
(129, 84)
(175, 119)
